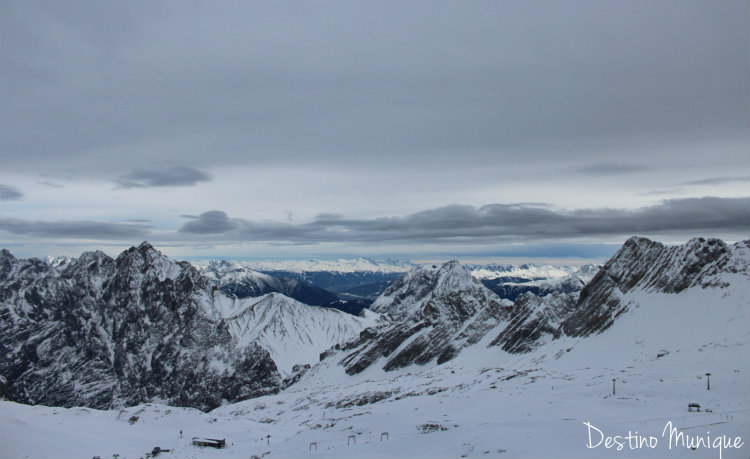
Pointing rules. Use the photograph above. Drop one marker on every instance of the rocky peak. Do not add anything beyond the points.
(6, 255)
(6, 262)
(89, 261)
(652, 267)
(105, 333)
(429, 290)
(146, 261)
(435, 311)
(452, 276)
(294, 332)
(146, 246)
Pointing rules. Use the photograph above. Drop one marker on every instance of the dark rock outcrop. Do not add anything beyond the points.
(652, 267)
(435, 312)
(103, 333)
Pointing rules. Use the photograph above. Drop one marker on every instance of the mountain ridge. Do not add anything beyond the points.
(142, 327)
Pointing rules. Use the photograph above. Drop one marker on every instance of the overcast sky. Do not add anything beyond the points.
(411, 129)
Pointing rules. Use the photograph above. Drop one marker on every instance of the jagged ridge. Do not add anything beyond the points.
(104, 333)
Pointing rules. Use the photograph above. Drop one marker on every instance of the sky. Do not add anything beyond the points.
(408, 129)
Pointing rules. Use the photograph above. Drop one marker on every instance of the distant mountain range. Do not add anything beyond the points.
(510, 281)
(358, 280)
(355, 283)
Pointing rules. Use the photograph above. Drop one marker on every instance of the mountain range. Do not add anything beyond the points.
(104, 333)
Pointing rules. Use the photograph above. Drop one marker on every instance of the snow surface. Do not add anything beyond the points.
(484, 403)
(293, 332)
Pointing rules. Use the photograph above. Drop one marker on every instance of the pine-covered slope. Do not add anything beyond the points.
(103, 332)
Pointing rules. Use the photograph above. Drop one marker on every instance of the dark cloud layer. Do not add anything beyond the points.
(302, 108)
(110, 85)
(162, 176)
(490, 223)
(75, 229)
(211, 222)
(9, 193)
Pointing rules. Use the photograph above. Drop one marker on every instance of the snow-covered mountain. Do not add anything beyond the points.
(651, 267)
(523, 272)
(355, 283)
(103, 332)
(58, 261)
(341, 286)
(293, 332)
(543, 368)
(360, 279)
(435, 312)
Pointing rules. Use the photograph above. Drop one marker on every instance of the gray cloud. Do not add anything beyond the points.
(490, 223)
(211, 222)
(51, 184)
(716, 181)
(80, 229)
(611, 169)
(679, 187)
(162, 176)
(329, 216)
(137, 81)
(9, 193)
(391, 107)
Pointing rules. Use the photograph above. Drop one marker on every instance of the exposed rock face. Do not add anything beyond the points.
(436, 311)
(534, 321)
(104, 333)
(652, 267)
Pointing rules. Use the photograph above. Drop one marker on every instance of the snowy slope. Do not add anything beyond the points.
(642, 264)
(292, 332)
